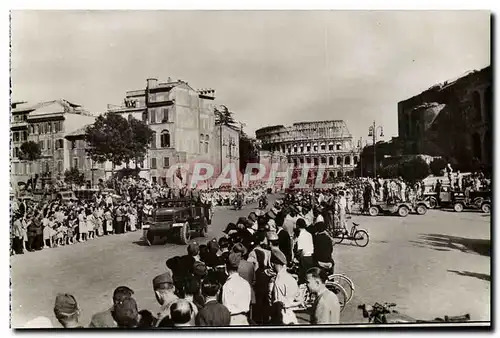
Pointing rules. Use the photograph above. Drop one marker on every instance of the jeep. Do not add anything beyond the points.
(176, 219)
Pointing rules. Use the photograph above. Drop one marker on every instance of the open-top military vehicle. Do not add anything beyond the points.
(400, 208)
(458, 201)
(177, 219)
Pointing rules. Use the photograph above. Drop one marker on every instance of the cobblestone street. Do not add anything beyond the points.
(431, 266)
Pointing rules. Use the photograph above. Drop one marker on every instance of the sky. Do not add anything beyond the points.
(269, 68)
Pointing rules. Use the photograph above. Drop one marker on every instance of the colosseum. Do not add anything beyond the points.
(322, 142)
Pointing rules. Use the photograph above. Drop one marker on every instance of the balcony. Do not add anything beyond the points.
(19, 124)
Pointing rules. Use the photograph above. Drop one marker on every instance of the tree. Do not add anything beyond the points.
(249, 151)
(142, 136)
(73, 176)
(109, 138)
(437, 166)
(414, 169)
(30, 151)
(390, 171)
(224, 116)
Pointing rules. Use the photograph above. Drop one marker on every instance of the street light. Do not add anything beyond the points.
(372, 131)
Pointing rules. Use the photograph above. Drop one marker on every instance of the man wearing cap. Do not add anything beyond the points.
(284, 288)
(260, 256)
(236, 292)
(67, 312)
(105, 318)
(305, 249)
(163, 286)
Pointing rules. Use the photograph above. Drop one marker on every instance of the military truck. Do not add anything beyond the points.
(176, 219)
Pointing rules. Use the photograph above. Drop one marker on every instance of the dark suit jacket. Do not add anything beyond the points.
(285, 245)
(103, 319)
(323, 248)
(213, 314)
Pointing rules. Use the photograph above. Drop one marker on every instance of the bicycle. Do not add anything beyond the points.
(384, 314)
(333, 283)
(359, 236)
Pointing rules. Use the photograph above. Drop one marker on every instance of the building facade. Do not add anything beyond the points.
(46, 123)
(183, 123)
(226, 150)
(328, 143)
(452, 119)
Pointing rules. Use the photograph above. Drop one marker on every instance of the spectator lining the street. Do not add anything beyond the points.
(163, 286)
(67, 312)
(105, 319)
(213, 313)
(236, 292)
(326, 309)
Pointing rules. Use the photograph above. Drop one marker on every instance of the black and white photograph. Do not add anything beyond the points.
(249, 169)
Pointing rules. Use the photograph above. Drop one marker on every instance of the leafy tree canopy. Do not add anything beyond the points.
(30, 151)
(73, 176)
(118, 140)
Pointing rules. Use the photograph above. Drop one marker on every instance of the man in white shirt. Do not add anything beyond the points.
(342, 209)
(236, 292)
(284, 288)
(305, 250)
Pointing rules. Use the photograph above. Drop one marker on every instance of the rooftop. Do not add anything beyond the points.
(51, 107)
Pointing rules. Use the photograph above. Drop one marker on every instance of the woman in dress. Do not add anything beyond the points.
(90, 224)
(82, 225)
(132, 219)
(108, 219)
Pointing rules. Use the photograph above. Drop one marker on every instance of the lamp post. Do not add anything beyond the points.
(372, 131)
(360, 149)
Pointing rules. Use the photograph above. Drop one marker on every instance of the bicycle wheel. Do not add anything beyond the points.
(346, 283)
(361, 238)
(340, 292)
(338, 237)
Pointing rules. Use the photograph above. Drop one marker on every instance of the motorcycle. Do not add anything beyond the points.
(384, 314)
(262, 204)
(237, 204)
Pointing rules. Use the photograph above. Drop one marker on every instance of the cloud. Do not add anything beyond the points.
(274, 67)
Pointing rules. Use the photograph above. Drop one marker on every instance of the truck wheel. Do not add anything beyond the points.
(403, 211)
(203, 229)
(373, 211)
(185, 233)
(421, 209)
(432, 203)
(486, 208)
(150, 238)
(458, 207)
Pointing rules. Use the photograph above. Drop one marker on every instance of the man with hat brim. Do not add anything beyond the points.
(67, 312)
(163, 287)
(284, 287)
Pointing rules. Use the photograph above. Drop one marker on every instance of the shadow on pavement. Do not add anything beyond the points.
(447, 243)
(140, 243)
(481, 276)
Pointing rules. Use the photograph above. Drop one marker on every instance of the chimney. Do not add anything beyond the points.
(152, 83)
